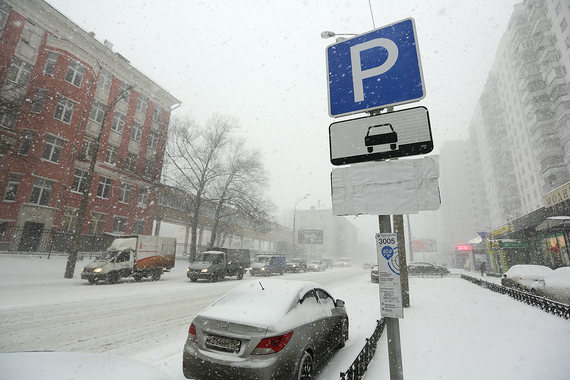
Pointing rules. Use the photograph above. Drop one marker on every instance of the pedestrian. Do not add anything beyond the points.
(483, 267)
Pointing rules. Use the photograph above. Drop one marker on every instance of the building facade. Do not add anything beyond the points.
(62, 93)
(522, 124)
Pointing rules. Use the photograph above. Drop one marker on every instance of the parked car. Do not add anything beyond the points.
(420, 268)
(316, 266)
(268, 329)
(374, 274)
(555, 286)
(266, 265)
(296, 265)
(368, 265)
(522, 276)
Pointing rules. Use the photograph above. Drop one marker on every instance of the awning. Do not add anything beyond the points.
(557, 222)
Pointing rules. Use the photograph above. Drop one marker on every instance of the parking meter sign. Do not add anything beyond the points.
(391, 305)
(380, 68)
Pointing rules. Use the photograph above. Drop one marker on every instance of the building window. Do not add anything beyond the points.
(8, 116)
(79, 184)
(148, 168)
(41, 192)
(49, 67)
(53, 149)
(64, 110)
(38, 101)
(97, 225)
(87, 149)
(138, 227)
(104, 187)
(105, 80)
(4, 12)
(143, 197)
(26, 142)
(119, 224)
(136, 131)
(157, 114)
(118, 122)
(153, 140)
(131, 162)
(125, 193)
(111, 155)
(563, 25)
(19, 72)
(125, 92)
(141, 103)
(97, 112)
(12, 187)
(69, 219)
(75, 72)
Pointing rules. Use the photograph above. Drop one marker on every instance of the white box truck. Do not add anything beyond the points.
(138, 256)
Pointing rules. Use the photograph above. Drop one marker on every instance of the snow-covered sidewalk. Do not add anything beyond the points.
(457, 330)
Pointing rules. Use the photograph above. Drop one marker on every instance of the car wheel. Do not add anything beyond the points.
(113, 278)
(137, 277)
(193, 279)
(305, 367)
(156, 276)
(92, 280)
(239, 275)
(344, 330)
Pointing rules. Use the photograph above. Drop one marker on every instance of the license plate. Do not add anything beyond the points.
(223, 344)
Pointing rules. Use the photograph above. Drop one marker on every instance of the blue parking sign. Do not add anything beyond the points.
(377, 69)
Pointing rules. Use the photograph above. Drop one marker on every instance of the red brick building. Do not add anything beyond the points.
(59, 87)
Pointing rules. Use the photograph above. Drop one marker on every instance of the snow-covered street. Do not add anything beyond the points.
(453, 330)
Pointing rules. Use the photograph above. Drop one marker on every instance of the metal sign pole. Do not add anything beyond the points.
(392, 324)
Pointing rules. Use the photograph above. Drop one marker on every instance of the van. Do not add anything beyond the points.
(266, 265)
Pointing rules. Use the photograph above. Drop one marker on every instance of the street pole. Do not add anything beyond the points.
(399, 227)
(293, 248)
(74, 248)
(392, 324)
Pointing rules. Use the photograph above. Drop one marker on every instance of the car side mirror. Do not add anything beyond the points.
(339, 303)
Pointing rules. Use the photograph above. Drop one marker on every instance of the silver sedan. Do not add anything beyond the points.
(269, 329)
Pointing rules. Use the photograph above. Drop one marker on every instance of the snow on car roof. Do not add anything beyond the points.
(559, 278)
(258, 303)
(529, 270)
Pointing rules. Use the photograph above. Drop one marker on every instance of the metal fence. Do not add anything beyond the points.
(30, 240)
(553, 307)
(359, 366)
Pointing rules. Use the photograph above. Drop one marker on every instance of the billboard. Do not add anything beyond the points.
(310, 236)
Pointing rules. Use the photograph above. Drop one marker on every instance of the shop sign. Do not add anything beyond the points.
(504, 229)
(558, 195)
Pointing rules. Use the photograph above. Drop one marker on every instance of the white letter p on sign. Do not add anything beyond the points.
(358, 75)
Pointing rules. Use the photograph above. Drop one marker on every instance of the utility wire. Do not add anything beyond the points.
(372, 15)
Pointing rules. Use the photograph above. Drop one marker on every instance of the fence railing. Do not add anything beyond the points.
(550, 306)
(359, 366)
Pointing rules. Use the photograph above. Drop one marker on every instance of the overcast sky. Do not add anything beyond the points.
(263, 62)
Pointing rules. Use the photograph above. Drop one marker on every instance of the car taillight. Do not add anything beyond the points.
(273, 344)
(192, 333)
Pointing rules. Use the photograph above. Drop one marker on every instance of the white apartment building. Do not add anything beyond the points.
(521, 127)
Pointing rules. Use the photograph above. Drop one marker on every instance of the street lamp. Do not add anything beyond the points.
(294, 212)
(327, 34)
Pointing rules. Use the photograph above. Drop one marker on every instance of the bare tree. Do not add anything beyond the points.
(193, 162)
(240, 190)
